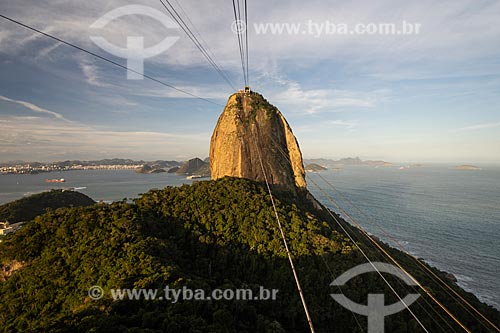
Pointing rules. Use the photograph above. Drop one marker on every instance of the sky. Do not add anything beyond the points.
(427, 97)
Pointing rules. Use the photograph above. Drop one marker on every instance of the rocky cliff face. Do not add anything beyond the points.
(248, 131)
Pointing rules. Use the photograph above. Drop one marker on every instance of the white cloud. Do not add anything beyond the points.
(451, 30)
(34, 108)
(32, 138)
(479, 126)
(348, 125)
(328, 100)
(91, 74)
(45, 52)
(209, 91)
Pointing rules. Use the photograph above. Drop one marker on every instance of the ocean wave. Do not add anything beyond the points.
(26, 194)
(463, 278)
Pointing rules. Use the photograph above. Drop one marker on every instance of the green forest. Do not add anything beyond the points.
(212, 234)
(26, 209)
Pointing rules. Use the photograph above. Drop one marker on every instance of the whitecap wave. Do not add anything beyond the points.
(463, 278)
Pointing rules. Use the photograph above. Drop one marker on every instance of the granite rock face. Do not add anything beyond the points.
(251, 130)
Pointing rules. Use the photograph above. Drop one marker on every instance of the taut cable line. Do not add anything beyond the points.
(79, 48)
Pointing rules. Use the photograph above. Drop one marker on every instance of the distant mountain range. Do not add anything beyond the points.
(194, 166)
(171, 163)
(313, 167)
(107, 161)
(328, 163)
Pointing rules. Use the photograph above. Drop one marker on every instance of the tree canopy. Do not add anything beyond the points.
(212, 234)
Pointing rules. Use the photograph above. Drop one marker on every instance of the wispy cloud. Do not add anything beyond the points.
(47, 50)
(348, 125)
(91, 74)
(328, 100)
(447, 27)
(34, 108)
(213, 91)
(479, 126)
(31, 138)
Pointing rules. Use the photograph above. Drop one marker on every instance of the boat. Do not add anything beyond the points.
(197, 176)
(61, 180)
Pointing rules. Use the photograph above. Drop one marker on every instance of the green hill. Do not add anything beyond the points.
(313, 167)
(212, 234)
(194, 166)
(28, 208)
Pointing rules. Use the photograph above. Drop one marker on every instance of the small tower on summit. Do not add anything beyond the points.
(247, 91)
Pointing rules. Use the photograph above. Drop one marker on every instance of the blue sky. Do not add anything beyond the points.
(427, 97)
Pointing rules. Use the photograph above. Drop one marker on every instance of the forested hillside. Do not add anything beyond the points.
(27, 208)
(213, 234)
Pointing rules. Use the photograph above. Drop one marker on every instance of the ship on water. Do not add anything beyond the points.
(61, 180)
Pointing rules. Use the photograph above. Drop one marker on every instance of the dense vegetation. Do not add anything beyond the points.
(26, 209)
(213, 234)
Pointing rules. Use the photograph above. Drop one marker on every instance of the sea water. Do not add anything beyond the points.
(448, 217)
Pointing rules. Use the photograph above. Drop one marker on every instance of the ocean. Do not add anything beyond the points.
(450, 218)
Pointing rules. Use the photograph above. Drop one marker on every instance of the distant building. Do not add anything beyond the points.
(5, 228)
(246, 91)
